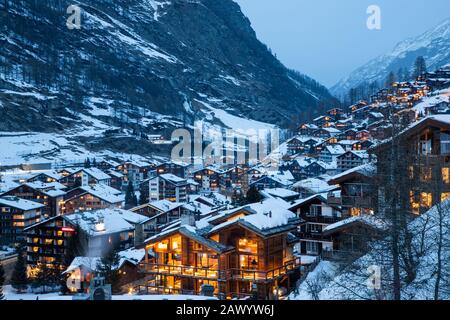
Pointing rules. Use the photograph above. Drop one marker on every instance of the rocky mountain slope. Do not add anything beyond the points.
(142, 64)
(434, 45)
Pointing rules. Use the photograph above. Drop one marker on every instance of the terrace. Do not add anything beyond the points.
(215, 274)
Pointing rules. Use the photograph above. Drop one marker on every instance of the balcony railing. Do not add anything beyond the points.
(188, 271)
(214, 274)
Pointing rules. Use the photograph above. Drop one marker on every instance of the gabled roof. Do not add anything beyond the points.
(191, 233)
(315, 185)
(103, 192)
(440, 121)
(133, 256)
(20, 204)
(93, 172)
(163, 205)
(307, 200)
(49, 173)
(266, 218)
(172, 178)
(334, 149)
(364, 171)
(113, 220)
(367, 221)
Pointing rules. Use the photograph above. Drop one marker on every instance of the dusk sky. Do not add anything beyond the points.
(327, 39)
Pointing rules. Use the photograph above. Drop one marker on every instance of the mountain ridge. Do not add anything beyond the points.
(143, 63)
(433, 44)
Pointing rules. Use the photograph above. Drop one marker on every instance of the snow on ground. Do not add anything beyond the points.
(315, 281)
(352, 282)
(10, 294)
(443, 96)
(28, 94)
(33, 147)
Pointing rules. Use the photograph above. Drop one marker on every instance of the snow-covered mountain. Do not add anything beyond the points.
(434, 45)
(142, 64)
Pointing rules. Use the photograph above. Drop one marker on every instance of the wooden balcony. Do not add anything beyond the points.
(184, 271)
(222, 275)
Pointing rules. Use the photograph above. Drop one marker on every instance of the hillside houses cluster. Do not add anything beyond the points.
(195, 230)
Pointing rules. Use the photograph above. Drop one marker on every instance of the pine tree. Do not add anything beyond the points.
(142, 199)
(42, 277)
(87, 163)
(94, 163)
(253, 195)
(2, 281)
(420, 67)
(130, 197)
(108, 267)
(19, 279)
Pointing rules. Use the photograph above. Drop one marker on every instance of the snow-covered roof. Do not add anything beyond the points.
(322, 197)
(367, 170)
(363, 154)
(335, 149)
(49, 173)
(105, 221)
(114, 173)
(46, 185)
(348, 142)
(19, 203)
(371, 221)
(303, 161)
(331, 130)
(104, 192)
(314, 185)
(132, 255)
(96, 173)
(165, 205)
(53, 189)
(268, 214)
(279, 192)
(172, 178)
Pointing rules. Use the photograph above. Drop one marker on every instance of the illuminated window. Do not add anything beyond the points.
(249, 246)
(426, 200)
(248, 262)
(162, 246)
(446, 175)
(445, 196)
(355, 212)
(415, 205)
(425, 174)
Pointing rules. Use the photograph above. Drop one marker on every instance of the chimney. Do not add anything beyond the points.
(188, 219)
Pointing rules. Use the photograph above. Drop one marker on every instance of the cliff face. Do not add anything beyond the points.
(145, 63)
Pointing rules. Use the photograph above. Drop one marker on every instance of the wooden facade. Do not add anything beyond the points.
(236, 261)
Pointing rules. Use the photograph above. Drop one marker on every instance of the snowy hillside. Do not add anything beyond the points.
(434, 45)
(429, 230)
(141, 65)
